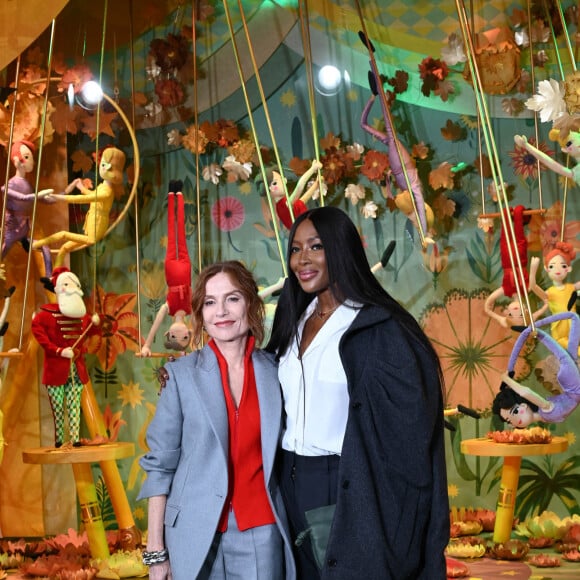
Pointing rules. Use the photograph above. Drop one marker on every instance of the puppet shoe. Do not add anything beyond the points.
(58, 444)
(77, 444)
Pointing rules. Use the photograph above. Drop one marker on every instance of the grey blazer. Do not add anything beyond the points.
(187, 461)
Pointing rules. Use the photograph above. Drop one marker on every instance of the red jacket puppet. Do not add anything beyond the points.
(59, 329)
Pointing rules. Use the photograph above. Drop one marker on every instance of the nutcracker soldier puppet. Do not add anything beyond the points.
(60, 330)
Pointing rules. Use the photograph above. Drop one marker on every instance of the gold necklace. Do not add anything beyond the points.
(321, 314)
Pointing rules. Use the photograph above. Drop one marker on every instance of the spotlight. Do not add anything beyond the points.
(90, 95)
(329, 81)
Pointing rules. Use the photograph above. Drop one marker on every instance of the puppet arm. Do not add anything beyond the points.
(161, 314)
(527, 393)
(489, 304)
(533, 286)
(316, 165)
(521, 141)
(269, 290)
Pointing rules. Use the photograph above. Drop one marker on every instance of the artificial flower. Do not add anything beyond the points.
(170, 53)
(512, 106)
(485, 224)
(170, 92)
(572, 92)
(454, 52)
(174, 137)
(195, 140)
(243, 150)
(432, 71)
(153, 108)
(375, 165)
(336, 165)
(354, 192)
(369, 210)
(236, 170)
(355, 151)
(548, 101)
(212, 172)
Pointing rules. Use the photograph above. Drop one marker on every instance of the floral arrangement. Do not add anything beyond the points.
(521, 436)
(544, 561)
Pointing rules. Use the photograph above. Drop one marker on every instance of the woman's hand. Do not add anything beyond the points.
(160, 571)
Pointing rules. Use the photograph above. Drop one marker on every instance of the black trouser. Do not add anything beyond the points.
(306, 483)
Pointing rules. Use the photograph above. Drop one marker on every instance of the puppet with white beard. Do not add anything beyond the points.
(60, 329)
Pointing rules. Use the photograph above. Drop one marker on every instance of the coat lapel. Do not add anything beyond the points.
(270, 401)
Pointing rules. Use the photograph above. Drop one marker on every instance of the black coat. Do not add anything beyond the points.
(392, 512)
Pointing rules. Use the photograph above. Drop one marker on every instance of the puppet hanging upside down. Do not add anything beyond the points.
(111, 165)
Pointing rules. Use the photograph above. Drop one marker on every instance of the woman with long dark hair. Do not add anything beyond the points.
(363, 448)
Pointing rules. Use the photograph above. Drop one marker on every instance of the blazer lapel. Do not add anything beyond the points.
(206, 378)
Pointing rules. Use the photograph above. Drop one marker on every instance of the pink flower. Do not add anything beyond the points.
(228, 214)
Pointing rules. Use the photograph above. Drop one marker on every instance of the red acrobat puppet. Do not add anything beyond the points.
(177, 277)
(512, 278)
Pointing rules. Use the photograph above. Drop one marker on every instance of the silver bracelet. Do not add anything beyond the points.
(151, 558)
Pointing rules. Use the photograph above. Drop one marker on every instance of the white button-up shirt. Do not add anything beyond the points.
(315, 388)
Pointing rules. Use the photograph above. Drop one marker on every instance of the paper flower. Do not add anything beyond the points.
(354, 192)
(212, 172)
(369, 210)
(548, 101)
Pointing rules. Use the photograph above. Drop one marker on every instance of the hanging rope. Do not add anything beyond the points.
(255, 137)
(305, 31)
(37, 181)
(387, 112)
(483, 113)
(196, 124)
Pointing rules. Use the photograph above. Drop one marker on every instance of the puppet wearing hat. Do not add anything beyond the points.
(60, 329)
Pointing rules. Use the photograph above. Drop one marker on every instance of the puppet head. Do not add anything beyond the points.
(513, 408)
(569, 142)
(178, 337)
(558, 262)
(22, 155)
(69, 293)
(111, 165)
(277, 186)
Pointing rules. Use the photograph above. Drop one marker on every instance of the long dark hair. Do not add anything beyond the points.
(349, 275)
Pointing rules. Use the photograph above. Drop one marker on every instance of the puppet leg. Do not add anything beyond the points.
(56, 398)
(73, 390)
(182, 253)
(171, 253)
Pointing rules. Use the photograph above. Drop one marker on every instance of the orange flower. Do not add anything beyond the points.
(375, 165)
(545, 230)
(117, 332)
(113, 422)
(474, 350)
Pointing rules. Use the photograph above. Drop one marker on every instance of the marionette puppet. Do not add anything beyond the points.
(111, 165)
(403, 169)
(519, 405)
(512, 314)
(60, 329)
(19, 198)
(297, 199)
(569, 144)
(561, 295)
(178, 278)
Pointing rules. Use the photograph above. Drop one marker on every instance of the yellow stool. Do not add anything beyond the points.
(512, 454)
(81, 458)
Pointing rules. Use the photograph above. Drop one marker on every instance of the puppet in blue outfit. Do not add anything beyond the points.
(519, 405)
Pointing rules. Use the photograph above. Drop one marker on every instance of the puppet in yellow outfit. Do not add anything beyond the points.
(561, 296)
(111, 165)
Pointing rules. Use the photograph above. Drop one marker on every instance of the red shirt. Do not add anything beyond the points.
(247, 490)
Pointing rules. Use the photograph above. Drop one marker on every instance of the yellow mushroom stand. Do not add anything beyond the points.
(512, 454)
